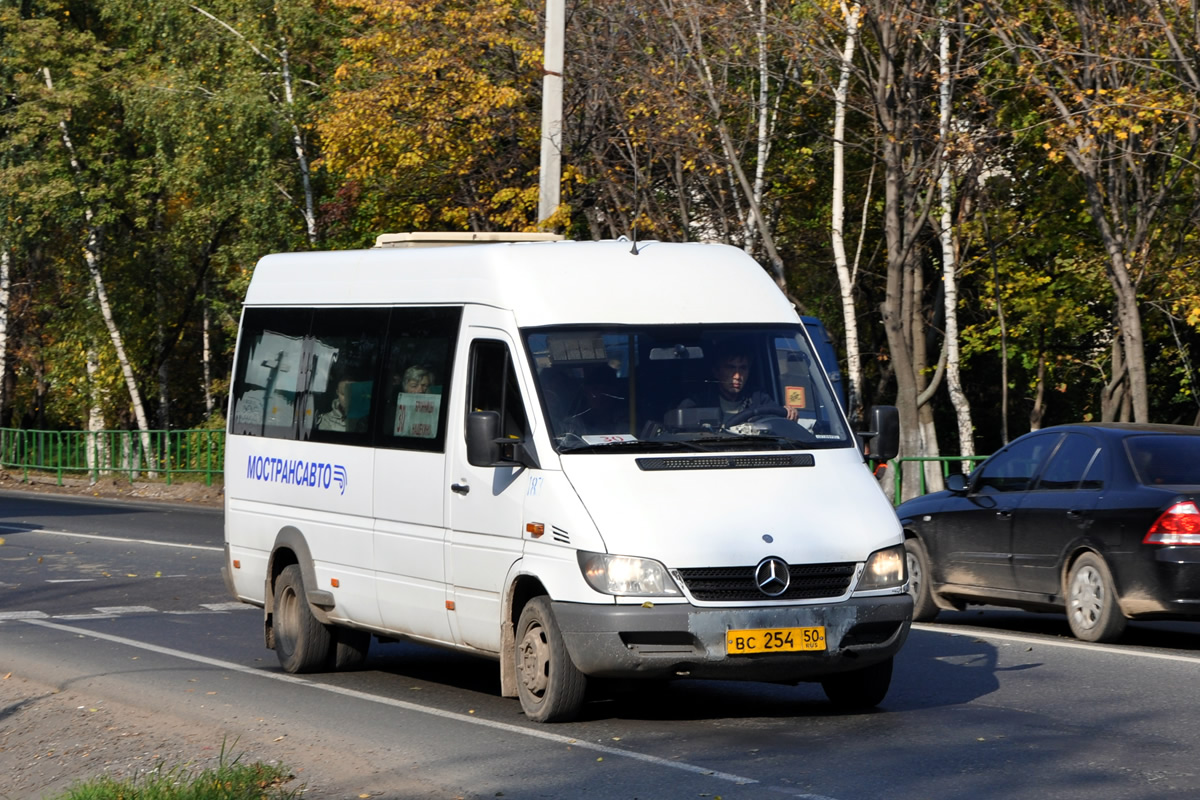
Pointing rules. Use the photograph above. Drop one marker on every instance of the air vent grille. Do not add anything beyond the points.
(735, 584)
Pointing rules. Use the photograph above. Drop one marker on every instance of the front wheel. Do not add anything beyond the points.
(1092, 610)
(549, 685)
(861, 689)
(924, 607)
(302, 643)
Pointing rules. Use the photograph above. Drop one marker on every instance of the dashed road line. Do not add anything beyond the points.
(112, 612)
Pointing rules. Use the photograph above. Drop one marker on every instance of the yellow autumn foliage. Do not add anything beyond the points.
(439, 103)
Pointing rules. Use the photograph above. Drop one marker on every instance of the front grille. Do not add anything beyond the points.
(736, 584)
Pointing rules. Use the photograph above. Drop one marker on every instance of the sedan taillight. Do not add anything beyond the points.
(1179, 524)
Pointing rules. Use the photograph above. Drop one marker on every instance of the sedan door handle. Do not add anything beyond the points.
(1076, 513)
(460, 488)
(1004, 513)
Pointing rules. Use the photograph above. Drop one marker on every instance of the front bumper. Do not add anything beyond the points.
(689, 641)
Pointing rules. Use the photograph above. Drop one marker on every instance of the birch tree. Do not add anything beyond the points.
(92, 257)
(962, 408)
(846, 275)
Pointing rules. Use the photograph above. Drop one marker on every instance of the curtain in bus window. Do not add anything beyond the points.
(267, 394)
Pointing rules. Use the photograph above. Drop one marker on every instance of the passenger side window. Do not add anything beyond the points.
(1069, 463)
(343, 364)
(494, 387)
(271, 371)
(1013, 469)
(416, 377)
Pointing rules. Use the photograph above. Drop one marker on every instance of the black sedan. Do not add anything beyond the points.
(1098, 520)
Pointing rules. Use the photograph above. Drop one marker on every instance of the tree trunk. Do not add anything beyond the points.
(845, 279)
(91, 255)
(962, 409)
(5, 286)
(206, 357)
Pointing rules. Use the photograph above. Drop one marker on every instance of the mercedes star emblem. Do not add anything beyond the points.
(772, 576)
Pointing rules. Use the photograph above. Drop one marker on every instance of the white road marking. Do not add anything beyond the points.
(23, 615)
(125, 609)
(227, 606)
(70, 580)
(1111, 649)
(13, 529)
(370, 698)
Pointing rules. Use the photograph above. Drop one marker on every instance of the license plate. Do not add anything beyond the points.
(775, 640)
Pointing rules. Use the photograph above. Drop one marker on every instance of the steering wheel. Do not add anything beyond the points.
(758, 412)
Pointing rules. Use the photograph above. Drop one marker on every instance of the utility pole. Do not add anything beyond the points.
(552, 104)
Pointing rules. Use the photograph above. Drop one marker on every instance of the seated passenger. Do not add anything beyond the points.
(728, 392)
(335, 418)
(416, 380)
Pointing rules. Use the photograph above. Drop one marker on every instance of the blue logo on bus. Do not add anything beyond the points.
(298, 472)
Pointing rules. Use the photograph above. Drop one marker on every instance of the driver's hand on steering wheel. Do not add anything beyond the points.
(793, 413)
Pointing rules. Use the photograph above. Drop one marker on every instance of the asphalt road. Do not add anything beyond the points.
(984, 704)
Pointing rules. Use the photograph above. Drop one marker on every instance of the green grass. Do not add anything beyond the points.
(227, 781)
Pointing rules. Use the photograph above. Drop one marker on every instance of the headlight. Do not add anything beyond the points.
(625, 575)
(886, 569)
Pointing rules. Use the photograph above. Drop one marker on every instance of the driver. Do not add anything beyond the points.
(728, 392)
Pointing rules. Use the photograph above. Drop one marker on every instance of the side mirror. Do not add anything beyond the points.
(956, 482)
(486, 448)
(883, 438)
(482, 429)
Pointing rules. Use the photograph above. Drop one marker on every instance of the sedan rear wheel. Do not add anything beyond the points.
(1092, 610)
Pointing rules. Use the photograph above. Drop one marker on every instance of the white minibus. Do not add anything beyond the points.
(585, 460)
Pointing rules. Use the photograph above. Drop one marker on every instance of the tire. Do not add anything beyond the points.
(349, 648)
(861, 689)
(302, 644)
(924, 607)
(1092, 610)
(549, 685)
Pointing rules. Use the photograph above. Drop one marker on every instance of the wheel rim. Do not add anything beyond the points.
(286, 618)
(535, 660)
(1087, 597)
(915, 577)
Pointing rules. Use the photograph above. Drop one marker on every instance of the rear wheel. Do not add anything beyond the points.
(861, 689)
(924, 608)
(549, 685)
(302, 643)
(1092, 610)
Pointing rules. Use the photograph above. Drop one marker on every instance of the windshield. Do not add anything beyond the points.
(684, 387)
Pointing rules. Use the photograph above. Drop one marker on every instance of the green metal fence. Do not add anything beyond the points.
(171, 454)
(897, 467)
(168, 455)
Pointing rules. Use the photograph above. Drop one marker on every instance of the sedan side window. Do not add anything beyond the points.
(1069, 464)
(1012, 470)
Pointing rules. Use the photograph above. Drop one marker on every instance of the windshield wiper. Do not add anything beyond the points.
(577, 444)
